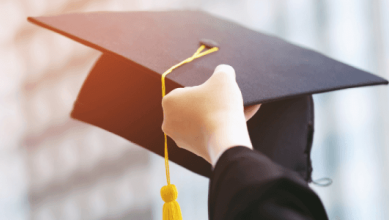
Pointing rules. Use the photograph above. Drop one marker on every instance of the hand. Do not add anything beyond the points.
(209, 118)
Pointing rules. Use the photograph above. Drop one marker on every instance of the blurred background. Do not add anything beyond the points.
(52, 167)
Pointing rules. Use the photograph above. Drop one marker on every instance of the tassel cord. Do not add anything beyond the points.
(196, 55)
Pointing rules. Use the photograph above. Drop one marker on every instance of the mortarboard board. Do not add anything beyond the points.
(122, 93)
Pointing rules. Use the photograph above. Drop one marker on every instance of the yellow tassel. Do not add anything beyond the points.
(171, 208)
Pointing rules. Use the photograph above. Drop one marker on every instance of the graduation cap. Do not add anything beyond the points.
(122, 93)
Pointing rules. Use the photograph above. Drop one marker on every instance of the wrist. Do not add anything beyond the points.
(227, 136)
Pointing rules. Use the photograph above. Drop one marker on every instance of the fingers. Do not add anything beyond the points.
(221, 84)
(249, 111)
(168, 103)
(172, 103)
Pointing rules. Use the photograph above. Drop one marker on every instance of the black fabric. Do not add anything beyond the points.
(283, 131)
(127, 102)
(122, 93)
(267, 68)
(246, 184)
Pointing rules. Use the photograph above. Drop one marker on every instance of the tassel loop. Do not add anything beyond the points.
(171, 208)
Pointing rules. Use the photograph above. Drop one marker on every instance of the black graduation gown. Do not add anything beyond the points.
(245, 184)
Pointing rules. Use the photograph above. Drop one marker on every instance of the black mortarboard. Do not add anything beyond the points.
(122, 93)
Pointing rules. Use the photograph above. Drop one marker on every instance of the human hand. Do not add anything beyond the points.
(209, 118)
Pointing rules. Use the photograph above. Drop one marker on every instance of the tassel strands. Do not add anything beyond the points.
(171, 208)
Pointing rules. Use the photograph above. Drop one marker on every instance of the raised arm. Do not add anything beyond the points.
(210, 121)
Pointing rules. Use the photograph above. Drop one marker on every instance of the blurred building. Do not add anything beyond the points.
(53, 167)
(73, 170)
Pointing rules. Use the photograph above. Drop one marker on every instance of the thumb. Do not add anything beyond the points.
(223, 73)
(223, 83)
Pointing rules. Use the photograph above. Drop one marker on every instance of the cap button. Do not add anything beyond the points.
(209, 43)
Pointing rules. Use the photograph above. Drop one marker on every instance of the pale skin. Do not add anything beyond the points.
(210, 118)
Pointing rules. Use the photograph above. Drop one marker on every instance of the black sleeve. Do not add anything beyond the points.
(246, 184)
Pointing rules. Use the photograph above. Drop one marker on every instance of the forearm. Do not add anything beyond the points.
(246, 183)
